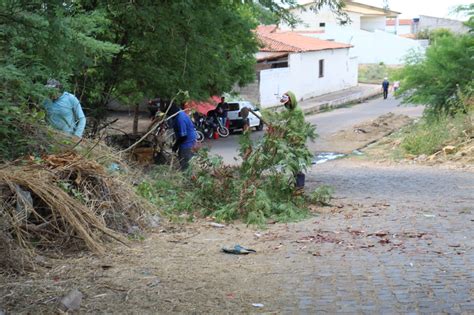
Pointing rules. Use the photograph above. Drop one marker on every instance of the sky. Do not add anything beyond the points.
(413, 8)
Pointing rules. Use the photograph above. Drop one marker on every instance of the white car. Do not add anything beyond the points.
(235, 119)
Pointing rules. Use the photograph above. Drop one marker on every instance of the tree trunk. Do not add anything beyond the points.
(135, 118)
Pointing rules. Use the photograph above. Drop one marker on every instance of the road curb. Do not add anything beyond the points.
(358, 97)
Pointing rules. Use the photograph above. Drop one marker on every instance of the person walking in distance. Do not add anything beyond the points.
(385, 86)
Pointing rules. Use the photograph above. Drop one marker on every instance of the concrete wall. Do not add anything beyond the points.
(373, 47)
(250, 92)
(432, 23)
(302, 76)
(372, 23)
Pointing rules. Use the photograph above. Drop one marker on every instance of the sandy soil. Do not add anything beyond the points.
(360, 135)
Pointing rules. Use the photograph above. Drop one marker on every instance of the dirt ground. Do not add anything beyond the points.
(396, 239)
(387, 151)
(347, 140)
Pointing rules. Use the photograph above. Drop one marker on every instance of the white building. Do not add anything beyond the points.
(404, 27)
(307, 66)
(367, 31)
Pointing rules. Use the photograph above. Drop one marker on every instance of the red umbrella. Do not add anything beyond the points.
(203, 107)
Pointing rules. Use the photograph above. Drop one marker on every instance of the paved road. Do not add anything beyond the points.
(327, 123)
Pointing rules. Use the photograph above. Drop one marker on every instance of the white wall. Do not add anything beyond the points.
(372, 47)
(302, 76)
(310, 19)
(372, 23)
(402, 29)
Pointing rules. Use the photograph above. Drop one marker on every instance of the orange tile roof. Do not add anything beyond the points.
(294, 42)
(272, 56)
(266, 28)
(400, 22)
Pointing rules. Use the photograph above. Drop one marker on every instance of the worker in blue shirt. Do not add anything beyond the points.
(184, 131)
(63, 111)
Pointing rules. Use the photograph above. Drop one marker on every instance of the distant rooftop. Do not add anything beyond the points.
(276, 41)
(400, 22)
(364, 9)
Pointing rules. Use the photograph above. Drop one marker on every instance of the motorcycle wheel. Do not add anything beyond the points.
(199, 136)
(223, 132)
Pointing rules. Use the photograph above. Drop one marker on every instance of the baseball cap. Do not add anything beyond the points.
(51, 83)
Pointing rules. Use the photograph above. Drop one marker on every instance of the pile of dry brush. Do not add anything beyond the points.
(63, 202)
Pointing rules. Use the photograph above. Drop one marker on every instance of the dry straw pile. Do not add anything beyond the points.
(63, 202)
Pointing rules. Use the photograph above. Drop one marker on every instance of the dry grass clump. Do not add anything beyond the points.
(64, 202)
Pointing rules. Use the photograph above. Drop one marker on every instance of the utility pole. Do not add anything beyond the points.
(386, 6)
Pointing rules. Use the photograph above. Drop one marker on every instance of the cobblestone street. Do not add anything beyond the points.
(397, 239)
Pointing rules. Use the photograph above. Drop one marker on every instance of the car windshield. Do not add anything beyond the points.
(234, 106)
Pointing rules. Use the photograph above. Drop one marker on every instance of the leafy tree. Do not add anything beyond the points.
(40, 40)
(125, 50)
(431, 35)
(467, 9)
(434, 79)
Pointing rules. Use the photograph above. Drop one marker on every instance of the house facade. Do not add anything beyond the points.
(404, 27)
(307, 66)
(367, 32)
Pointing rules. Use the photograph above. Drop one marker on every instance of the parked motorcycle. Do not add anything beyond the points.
(215, 120)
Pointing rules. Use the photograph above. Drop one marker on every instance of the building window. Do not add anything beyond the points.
(321, 68)
(322, 24)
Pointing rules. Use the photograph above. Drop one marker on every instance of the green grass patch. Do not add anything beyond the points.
(375, 73)
(431, 134)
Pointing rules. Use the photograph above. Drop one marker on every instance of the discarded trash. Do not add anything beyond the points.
(154, 221)
(427, 215)
(113, 167)
(134, 229)
(380, 233)
(72, 301)
(257, 305)
(24, 203)
(217, 225)
(154, 283)
(326, 156)
(238, 250)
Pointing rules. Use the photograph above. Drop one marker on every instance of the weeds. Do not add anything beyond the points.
(431, 134)
(322, 195)
(375, 73)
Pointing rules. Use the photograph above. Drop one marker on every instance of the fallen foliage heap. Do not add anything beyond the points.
(63, 202)
(260, 190)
